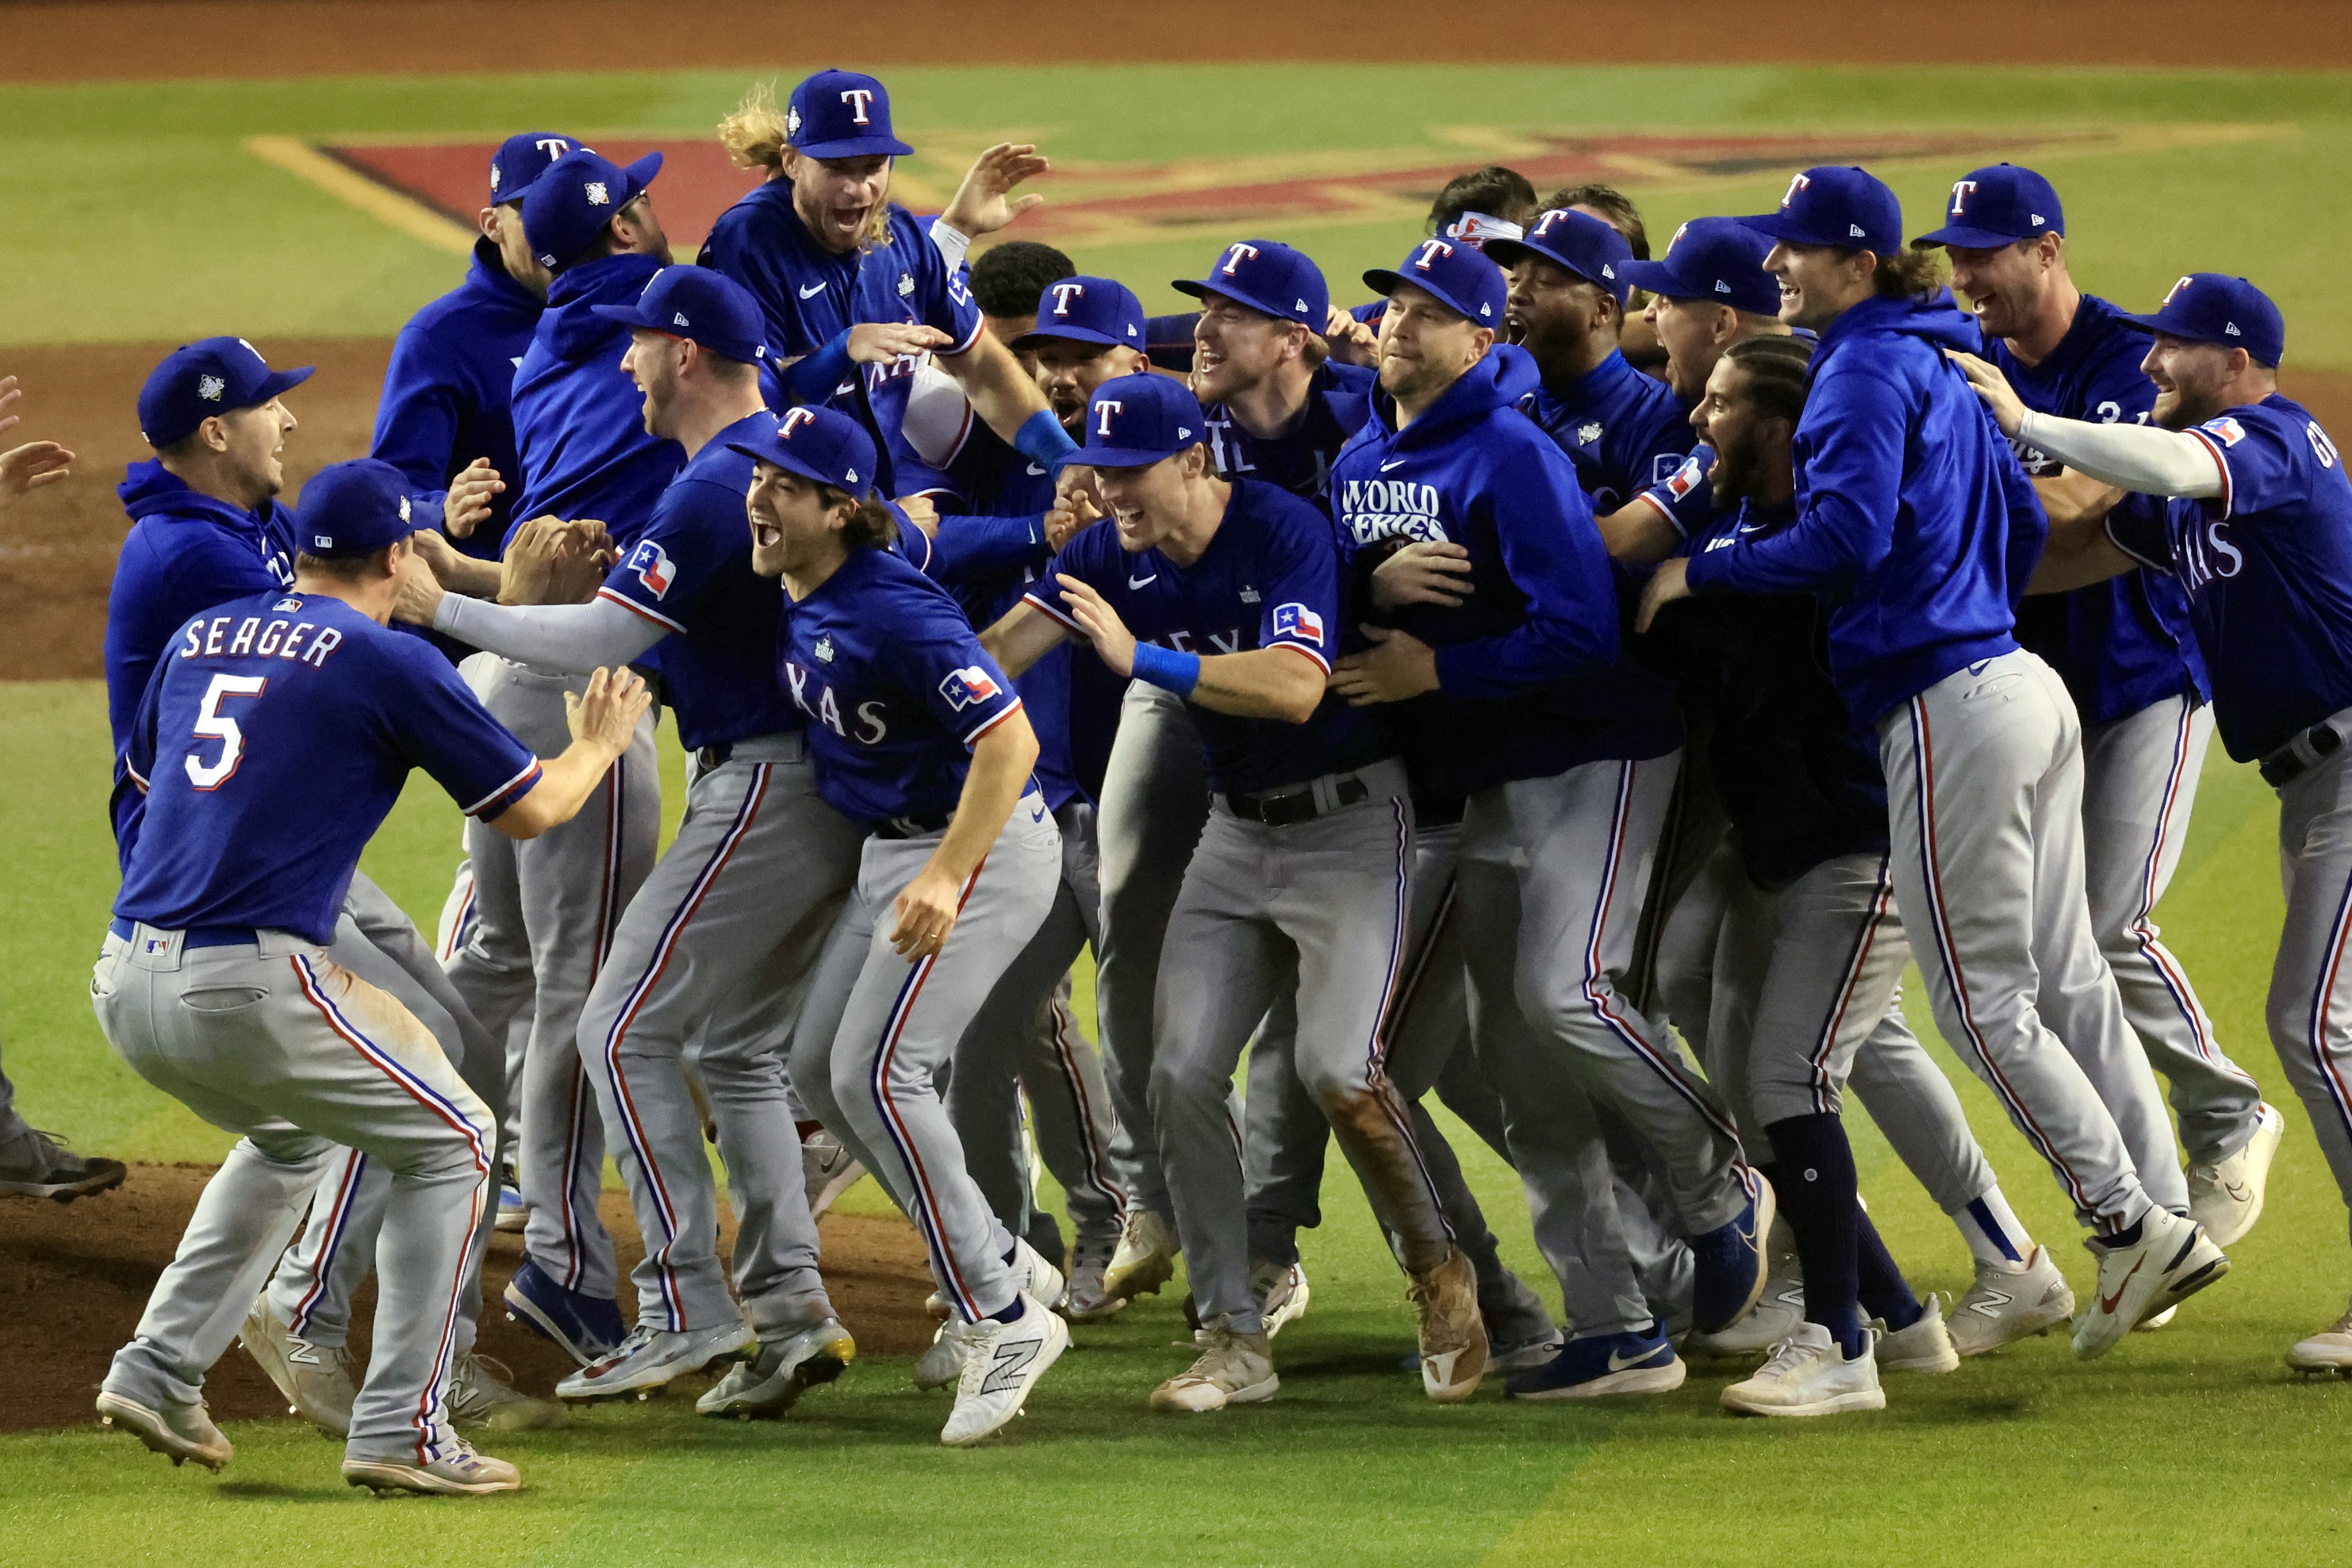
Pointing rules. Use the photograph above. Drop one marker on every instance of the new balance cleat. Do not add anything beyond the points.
(1809, 1374)
(1924, 1346)
(587, 1328)
(2003, 1305)
(941, 1364)
(1003, 1362)
(1231, 1369)
(482, 1394)
(773, 1381)
(2226, 1197)
(1603, 1365)
(1145, 1258)
(1451, 1335)
(316, 1379)
(461, 1472)
(2172, 1261)
(1035, 1276)
(178, 1432)
(650, 1358)
(1730, 1268)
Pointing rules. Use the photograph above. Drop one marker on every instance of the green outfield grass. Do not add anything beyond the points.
(139, 216)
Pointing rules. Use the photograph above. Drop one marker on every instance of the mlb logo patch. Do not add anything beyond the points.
(966, 686)
(1297, 620)
(652, 568)
(2227, 429)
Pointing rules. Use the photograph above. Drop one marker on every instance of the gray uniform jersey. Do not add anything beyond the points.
(275, 1041)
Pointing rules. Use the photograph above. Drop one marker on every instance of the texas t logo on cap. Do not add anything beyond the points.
(1235, 255)
(1431, 249)
(857, 98)
(793, 419)
(1108, 406)
(1063, 293)
(1961, 191)
(1798, 183)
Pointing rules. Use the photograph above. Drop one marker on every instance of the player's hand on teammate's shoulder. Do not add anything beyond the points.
(420, 593)
(471, 495)
(2007, 409)
(1350, 342)
(1669, 582)
(607, 714)
(885, 342)
(920, 511)
(1422, 572)
(1396, 666)
(1099, 624)
(985, 203)
(26, 468)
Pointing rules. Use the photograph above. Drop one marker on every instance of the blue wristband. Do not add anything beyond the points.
(1042, 440)
(1167, 668)
(813, 378)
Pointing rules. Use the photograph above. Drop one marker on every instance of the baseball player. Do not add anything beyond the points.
(1983, 796)
(1566, 772)
(854, 290)
(273, 740)
(1637, 339)
(2259, 531)
(1302, 873)
(2125, 650)
(727, 926)
(920, 739)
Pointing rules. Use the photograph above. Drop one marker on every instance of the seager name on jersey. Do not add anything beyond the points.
(280, 637)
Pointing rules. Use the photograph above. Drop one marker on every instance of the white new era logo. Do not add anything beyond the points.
(677, 319)
(2039, 219)
(850, 474)
(1485, 310)
(1183, 434)
(1855, 230)
(1608, 271)
(404, 508)
(1298, 305)
(2231, 328)
(597, 196)
(1721, 286)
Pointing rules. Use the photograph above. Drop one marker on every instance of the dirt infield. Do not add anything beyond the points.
(74, 1278)
(244, 38)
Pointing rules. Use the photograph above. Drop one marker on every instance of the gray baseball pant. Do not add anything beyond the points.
(2310, 1004)
(730, 923)
(563, 892)
(1326, 900)
(275, 1041)
(456, 929)
(2139, 781)
(1984, 793)
(1675, 958)
(878, 1029)
(1023, 1040)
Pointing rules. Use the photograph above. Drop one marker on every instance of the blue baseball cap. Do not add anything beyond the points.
(199, 380)
(521, 159)
(1997, 206)
(574, 197)
(819, 443)
(842, 114)
(352, 508)
(1849, 208)
(1086, 311)
(700, 306)
(1462, 277)
(1135, 421)
(1577, 241)
(2214, 307)
(1269, 276)
(1717, 259)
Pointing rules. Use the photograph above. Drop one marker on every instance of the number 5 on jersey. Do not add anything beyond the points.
(214, 724)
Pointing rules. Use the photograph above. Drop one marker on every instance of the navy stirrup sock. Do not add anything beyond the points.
(1813, 1168)
(1884, 1292)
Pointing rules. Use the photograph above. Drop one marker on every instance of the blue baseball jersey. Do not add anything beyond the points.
(896, 688)
(579, 418)
(2268, 569)
(273, 741)
(2123, 643)
(1797, 777)
(1531, 680)
(1269, 579)
(1684, 498)
(690, 573)
(1625, 431)
(1338, 399)
(448, 393)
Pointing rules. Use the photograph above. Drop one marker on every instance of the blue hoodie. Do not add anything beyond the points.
(579, 419)
(1914, 519)
(1530, 680)
(449, 394)
(185, 553)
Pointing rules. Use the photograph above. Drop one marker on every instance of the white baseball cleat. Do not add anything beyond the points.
(1773, 1319)
(1809, 1374)
(1034, 1277)
(461, 1472)
(2155, 1321)
(828, 1168)
(178, 1432)
(1146, 1257)
(2329, 1350)
(649, 1358)
(1087, 1302)
(1452, 1336)
(1003, 1362)
(1282, 1294)
(773, 1381)
(1231, 1369)
(2226, 1197)
(481, 1394)
(941, 1366)
(1925, 1346)
(2002, 1305)
(2172, 1260)
(316, 1379)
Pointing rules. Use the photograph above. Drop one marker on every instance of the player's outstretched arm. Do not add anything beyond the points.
(999, 777)
(1021, 637)
(603, 722)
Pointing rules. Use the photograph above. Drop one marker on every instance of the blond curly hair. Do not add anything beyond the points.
(755, 134)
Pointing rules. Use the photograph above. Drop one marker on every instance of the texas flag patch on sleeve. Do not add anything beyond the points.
(966, 686)
(1684, 479)
(1297, 620)
(2226, 429)
(652, 567)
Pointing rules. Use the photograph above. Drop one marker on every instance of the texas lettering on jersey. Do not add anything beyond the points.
(870, 727)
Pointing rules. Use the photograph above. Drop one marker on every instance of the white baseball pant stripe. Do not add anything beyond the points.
(2139, 782)
(2310, 1004)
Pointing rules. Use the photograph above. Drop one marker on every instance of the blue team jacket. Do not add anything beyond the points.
(1914, 519)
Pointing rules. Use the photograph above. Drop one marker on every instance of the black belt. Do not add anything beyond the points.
(912, 827)
(2299, 756)
(1437, 811)
(1281, 807)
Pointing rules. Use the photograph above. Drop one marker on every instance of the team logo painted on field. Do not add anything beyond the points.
(966, 686)
(652, 568)
(1297, 620)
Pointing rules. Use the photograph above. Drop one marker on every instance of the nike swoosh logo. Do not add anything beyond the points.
(812, 292)
(1036, 471)
(2239, 1191)
(1619, 1362)
(1390, 463)
(1140, 581)
(2107, 1303)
